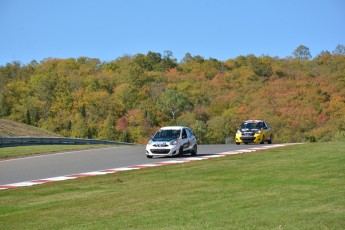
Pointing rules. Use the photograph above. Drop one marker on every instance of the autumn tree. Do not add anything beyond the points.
(129, 98)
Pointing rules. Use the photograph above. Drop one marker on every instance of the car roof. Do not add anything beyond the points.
(253, 121)
(173, 127)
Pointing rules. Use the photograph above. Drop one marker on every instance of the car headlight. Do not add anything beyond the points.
(174, 142)
(150, 142)
(258, 132)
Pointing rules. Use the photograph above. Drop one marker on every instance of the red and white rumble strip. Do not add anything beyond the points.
(115, 170)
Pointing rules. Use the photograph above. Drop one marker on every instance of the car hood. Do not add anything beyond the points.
(162, 139)
(249, 130)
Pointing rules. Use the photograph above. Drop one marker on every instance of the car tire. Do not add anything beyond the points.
(148, 156)
(263, 140)
(245, 143)
(270, 140)
(180, 152)
(238, 143)
(194, 150)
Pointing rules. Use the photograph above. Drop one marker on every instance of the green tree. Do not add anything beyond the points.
(80, 127)
(340, 50)
(107, 130)
(200, 130)
(216, 130)
(302, 52)
(5, 108)
(173, 102)
(168, 61)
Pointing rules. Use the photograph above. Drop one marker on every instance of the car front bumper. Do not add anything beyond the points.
(257, 138)
(162, 151)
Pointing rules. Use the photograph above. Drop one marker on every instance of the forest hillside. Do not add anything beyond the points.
(128, 99)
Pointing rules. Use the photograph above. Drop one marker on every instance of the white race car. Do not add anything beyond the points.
(172, 141)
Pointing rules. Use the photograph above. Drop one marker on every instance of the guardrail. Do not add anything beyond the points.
(20, 141)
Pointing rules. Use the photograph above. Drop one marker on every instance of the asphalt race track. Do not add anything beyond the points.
(74, 162)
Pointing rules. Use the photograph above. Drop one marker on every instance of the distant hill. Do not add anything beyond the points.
(10, 128)
(128, 99)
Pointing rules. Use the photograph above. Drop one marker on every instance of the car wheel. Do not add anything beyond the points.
(245, 143)
(270, 140)
(180, 152)
(263, 140)
(238, 143)
(194, 150)
(148, 156)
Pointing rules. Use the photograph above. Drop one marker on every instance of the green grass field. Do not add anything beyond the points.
(294, 187)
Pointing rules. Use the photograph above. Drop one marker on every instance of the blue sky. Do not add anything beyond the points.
(221, 29)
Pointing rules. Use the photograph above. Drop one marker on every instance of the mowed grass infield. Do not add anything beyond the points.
(293, 187)
(23, 151)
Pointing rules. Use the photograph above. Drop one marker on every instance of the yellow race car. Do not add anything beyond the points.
(254, 131)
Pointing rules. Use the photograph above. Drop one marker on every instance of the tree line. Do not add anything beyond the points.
(128, 99)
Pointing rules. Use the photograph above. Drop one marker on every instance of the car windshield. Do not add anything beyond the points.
(167, 133)
(251, 125)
